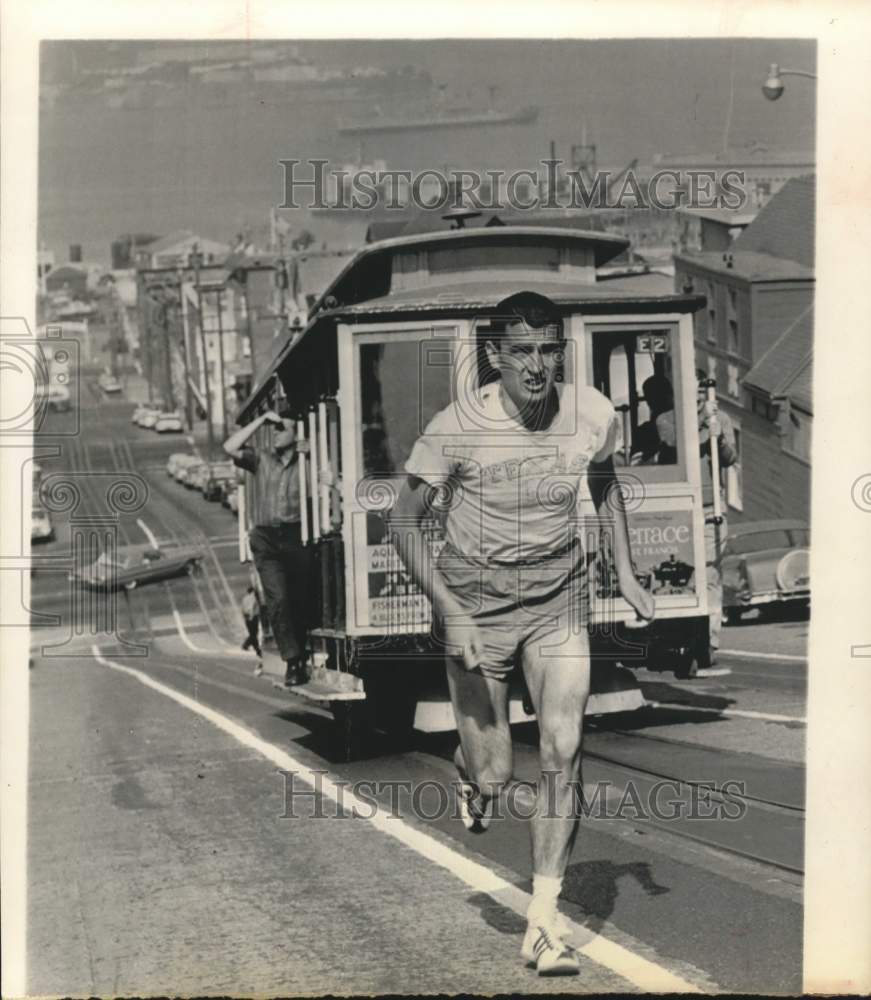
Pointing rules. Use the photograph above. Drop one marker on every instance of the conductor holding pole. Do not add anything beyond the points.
(717, 452)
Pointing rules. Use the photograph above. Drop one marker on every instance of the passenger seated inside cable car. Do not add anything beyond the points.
(635, 371)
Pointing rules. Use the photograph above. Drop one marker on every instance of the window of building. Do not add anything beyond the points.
(733, 386)
(711, 332)
(735, 474)
(732, 326)
(797, 439)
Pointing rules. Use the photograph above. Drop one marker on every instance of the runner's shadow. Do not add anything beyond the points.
(497, 915)
(593, 887)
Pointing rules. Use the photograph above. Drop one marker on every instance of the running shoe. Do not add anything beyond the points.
(545, 950)
(475, 808)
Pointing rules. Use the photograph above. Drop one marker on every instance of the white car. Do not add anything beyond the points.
(169, 423)
(149, 418)
(41, 529)
(138, 413)
(109, 384)
(181, 465)
(174, 461)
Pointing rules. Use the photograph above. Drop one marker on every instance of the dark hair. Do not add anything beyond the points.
(658, 391)
(533, 310)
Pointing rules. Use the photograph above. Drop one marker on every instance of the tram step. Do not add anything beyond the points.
(331, 685)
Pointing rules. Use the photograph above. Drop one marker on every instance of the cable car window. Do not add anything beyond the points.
(635, 370)
(404, 383)
(490, 257)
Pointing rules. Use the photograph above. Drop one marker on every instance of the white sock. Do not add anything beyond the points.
(545, 892)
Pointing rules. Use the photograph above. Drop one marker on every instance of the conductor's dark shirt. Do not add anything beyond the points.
(276, 485)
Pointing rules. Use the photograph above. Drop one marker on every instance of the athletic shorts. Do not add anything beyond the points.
(517, 605)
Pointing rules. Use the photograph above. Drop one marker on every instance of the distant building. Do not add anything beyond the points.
(44, 264)
(254, 281)
(69, 278)
(756, 291)
(310, 273)
(123, 249)
(701, 229)
(777, 430)
(765, 170)
(175, 249)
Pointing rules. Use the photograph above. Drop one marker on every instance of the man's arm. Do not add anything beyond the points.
(605, 491)
(718, 423)
(235, 442)
(406, 528)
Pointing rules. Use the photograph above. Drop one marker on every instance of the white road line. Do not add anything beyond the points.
(182, 633)
(641, 972)
(149, 534)
(738, 713)
(748, 655)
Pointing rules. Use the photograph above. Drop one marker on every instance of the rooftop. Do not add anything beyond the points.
(749, 265)
(785, 226)
(785, 370)
(719, 215)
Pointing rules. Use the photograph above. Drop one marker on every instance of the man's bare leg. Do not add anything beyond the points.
(481, 711)
(558, 680)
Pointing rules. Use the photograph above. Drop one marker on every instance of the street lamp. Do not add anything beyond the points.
(773, 86)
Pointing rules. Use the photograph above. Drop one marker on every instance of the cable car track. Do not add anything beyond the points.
(769, 828)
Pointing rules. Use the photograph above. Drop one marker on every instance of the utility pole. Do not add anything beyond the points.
(223, 377)
(170, 392)
(181, 317)
(144, 331)
(195, 255)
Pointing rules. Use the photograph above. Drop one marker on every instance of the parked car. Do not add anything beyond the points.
(109, 384)
(182, 465)
(214, 477)
(41, 529)
(169, 423)
(139, 412)
(149, 418)
(765, 563)
(194, 474)
(174, 462)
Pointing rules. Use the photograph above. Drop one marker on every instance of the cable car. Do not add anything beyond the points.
(395, 338)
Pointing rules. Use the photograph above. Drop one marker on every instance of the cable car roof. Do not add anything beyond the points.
(447, 295)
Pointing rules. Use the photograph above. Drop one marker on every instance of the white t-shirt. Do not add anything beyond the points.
(511, 494)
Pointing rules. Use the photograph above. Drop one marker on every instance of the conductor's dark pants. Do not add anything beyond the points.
(284, 567)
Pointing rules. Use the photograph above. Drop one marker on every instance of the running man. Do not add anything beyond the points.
(509, 587)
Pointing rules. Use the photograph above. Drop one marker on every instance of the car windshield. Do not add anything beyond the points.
(758, 541)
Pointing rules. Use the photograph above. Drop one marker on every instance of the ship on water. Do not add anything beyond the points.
(440, 115)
